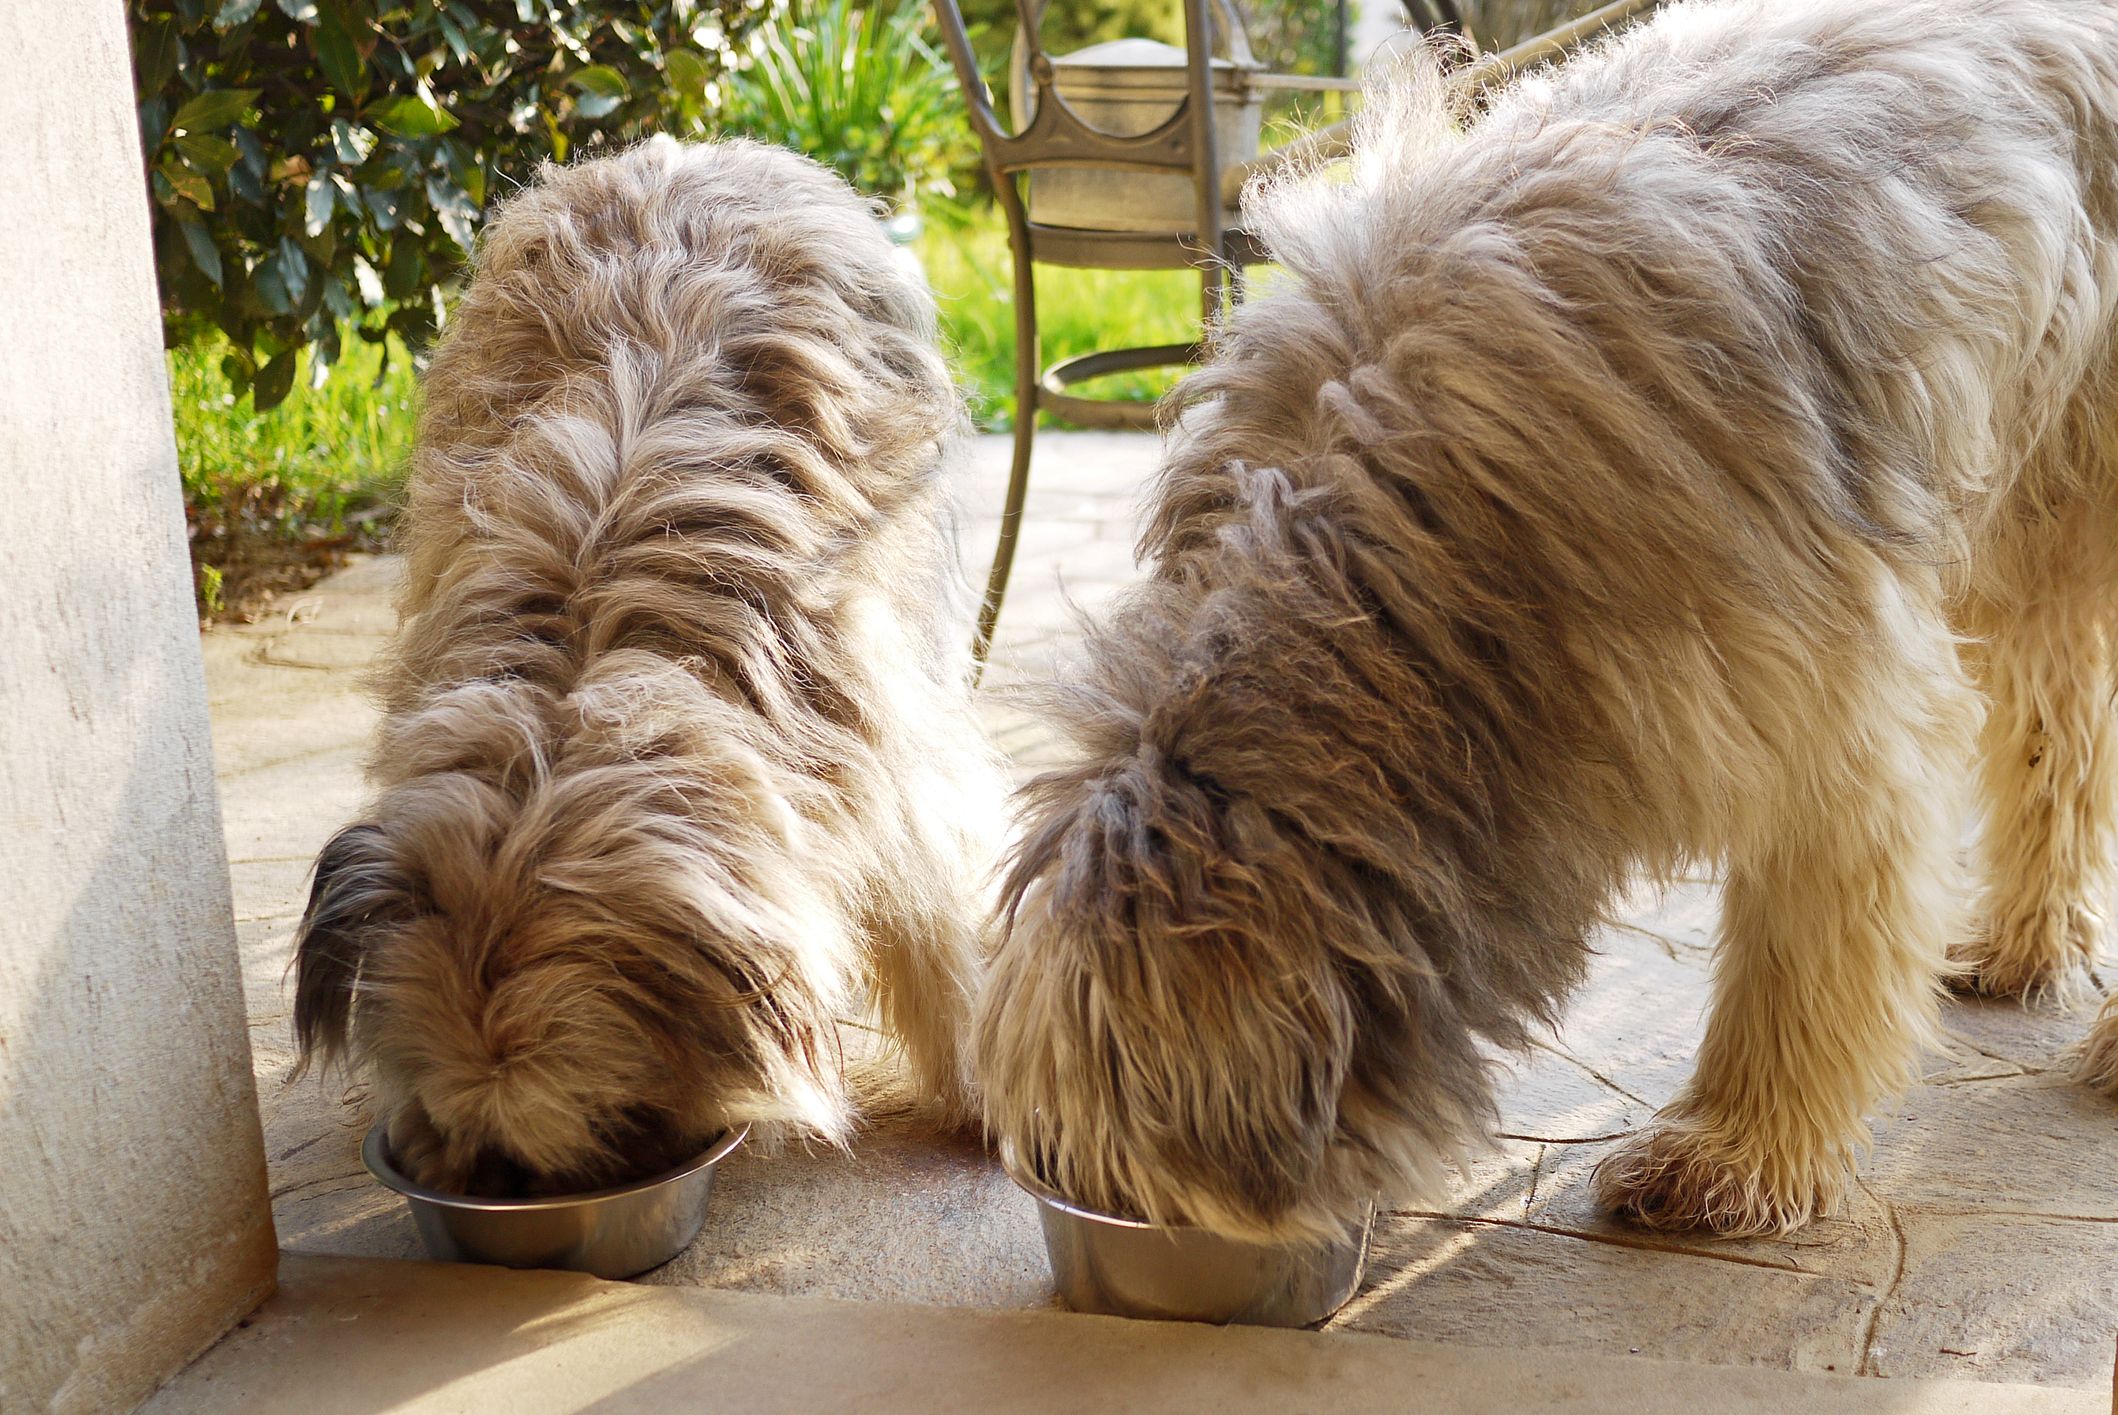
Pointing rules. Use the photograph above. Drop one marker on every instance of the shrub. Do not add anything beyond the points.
(857, 85)
(320, 165)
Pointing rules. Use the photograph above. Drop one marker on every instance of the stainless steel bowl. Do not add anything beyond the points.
(1123, 1267)
(611, 1232)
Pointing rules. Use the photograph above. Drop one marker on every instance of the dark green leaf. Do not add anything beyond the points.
(154, 124)
(275, 380)
(155, 50)
(245, 184)
(233, 13)
(458, 224)
(405, 271)
(412, 323)
(215, 108)
(386, 205)
(338, 299)
(601, 88)
(600, 78)
(204, 254)
(294, 270)
(411, 116)
(270, 283)
(300, 11)
(351, 142)
(238, 370)
(687, 70)
(210, 155)
(453, 33)
(339, 56)
(318, 201)
(467, 170)
(188, 184)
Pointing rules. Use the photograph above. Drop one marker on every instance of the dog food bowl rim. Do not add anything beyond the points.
(374, 1153)
(1044, 1194)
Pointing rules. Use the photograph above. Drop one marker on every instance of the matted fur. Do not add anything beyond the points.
(1613, 484)
(677, 743)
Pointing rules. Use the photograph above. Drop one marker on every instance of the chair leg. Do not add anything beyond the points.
(1026, 391)
(1212, 286)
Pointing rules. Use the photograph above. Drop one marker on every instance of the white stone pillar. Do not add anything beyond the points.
(134, 1224)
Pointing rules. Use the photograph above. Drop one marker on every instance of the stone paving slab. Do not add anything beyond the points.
(1982, 1243)
(347, 1337)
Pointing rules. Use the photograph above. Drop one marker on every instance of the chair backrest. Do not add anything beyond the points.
(1056, 136)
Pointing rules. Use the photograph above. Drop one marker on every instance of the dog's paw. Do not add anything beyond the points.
(2032, 957)
(2096, 1064)
(1678, 1176)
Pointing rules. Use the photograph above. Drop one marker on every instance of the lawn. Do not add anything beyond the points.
(275, 499)
(1078, 311)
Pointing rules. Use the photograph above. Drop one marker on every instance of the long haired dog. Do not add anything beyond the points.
(1670, 465)
(677, 742)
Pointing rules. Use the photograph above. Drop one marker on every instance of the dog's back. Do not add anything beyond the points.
(1608, 487)
(675, 641)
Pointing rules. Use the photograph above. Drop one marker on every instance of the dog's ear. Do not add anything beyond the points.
(358, 886)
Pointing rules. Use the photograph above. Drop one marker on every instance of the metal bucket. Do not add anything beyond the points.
(1128, 87)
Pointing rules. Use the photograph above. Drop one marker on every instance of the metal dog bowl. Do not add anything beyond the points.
(1122, 1267)
(610, 1232)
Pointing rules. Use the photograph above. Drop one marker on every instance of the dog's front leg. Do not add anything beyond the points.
(2048, 769)
(1841, 901)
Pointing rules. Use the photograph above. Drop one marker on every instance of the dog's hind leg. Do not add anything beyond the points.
(1840, 903)
(2048, 770)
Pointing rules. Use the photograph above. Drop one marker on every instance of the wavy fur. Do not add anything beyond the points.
(1613, 483)
(676, 748)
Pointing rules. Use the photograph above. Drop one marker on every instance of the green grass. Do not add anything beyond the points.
(1078, 311)
(275, 498)
(272, 498)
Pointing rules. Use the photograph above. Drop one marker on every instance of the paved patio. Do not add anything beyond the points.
(1982, 1243)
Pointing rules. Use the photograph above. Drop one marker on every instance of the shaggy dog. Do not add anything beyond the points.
(1675, 464)
(676, 741)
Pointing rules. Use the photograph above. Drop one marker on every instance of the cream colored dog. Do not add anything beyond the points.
(1676, 463)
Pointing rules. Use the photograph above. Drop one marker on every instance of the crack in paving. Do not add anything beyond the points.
(1952, 1211)
(1614, 1240)
(1961, 1040)
(1945, 1082)
(1536, 1172)
(287, 1190)
(1672, 946)
(1565, 1139)
(265, 658)
(1564, 1055)
(1866, 1366)
(289, 1154)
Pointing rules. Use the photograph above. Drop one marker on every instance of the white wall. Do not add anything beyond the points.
(134, 1226)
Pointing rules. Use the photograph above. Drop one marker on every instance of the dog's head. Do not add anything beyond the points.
(569, 990)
